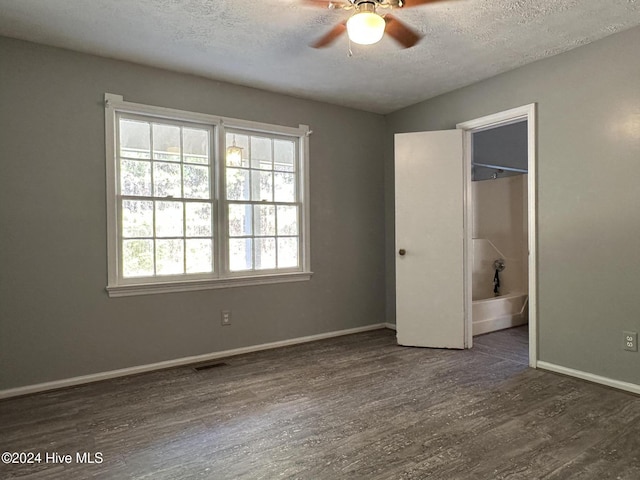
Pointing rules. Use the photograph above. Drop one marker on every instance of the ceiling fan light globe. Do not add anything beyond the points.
(365, 28)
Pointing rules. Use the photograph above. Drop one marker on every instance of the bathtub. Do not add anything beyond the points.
(496, 313)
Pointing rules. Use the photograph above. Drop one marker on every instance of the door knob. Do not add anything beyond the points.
(402, 252)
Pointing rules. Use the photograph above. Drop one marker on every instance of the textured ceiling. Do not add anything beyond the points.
(264, 43)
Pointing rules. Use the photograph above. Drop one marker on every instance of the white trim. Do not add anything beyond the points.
(220, 220)
(133, 289)
(118, 286)
(112, 181)
(467, 246)
(590, 377)
(118, 103)
(526, 112)
(507, 117)
(390, 326)
(532, 218)
(178, 362)
(304, 197)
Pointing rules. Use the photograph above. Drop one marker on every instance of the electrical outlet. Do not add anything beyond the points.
(631, 341)
(225, 317)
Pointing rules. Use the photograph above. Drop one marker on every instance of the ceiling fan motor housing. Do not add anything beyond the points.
(366, 6)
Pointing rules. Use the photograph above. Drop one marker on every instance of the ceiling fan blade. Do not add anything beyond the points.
(327, 3)
(417, 3)
(334, 33)
(400, 32)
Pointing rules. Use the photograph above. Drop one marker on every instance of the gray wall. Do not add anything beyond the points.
(588, 195)
(56, 320)
(504, 146)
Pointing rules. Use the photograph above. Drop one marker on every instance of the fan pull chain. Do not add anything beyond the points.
(350, 53)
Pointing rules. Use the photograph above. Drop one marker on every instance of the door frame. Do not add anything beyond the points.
(525, 112)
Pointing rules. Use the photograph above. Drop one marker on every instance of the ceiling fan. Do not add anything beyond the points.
(366, 26)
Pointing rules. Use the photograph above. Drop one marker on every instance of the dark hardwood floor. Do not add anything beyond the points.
(354, 407)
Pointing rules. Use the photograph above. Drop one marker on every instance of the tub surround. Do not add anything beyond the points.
(500, 231)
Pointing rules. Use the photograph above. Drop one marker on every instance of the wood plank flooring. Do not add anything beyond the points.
(354, 407)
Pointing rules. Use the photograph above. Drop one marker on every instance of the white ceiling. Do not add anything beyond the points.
(264, 43)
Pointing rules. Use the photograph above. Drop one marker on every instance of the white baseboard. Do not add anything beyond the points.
(500, 323)
(391, 326)
(96, 377)
(629, 387)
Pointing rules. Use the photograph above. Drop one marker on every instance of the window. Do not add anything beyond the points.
(197, 201)
(262, 202)
(165, 205)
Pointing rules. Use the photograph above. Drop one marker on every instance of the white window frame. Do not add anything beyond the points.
(221, 278)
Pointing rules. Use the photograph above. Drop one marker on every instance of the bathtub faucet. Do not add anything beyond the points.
(499, 266)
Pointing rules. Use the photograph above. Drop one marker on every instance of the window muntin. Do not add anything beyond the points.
(165, 222)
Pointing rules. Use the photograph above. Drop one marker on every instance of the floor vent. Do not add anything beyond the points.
(209, 366)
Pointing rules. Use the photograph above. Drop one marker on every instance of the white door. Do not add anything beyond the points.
(429, 185)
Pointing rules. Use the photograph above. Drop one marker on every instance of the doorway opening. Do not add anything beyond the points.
(500, 236)
(499, 276)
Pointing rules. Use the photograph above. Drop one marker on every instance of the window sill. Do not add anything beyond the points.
(193, 285)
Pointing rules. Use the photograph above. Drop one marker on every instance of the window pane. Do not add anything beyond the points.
(240, 254)
(195, 143)
(287, 252)
(137, 218)
(135, 178)
(241, 141)
(237, 184)
(196, 181)
(264, 217)
(166, 180)
(166, 142)
(284, 155)
(287, 220)
(134, 139)
(261, 186)
(137, 258)
(240, 220)
(169, 257)
(199, 256)
(198, 219)
(169, 219)
(265, 253)
(285, 187)
(261, 153)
